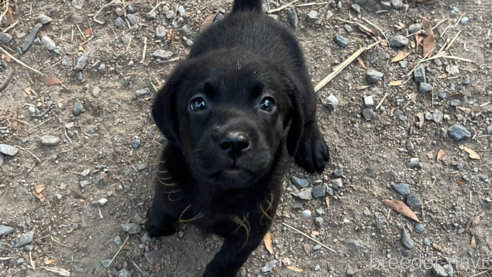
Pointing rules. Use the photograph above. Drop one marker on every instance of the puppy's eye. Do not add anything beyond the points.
(198, 104)
(267, 104)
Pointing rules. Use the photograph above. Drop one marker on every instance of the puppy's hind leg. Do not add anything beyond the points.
(312, 152)
(159, 221)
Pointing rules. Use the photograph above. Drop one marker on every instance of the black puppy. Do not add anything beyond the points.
(232, 112)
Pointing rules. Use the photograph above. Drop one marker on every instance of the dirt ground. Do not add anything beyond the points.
(76, 192)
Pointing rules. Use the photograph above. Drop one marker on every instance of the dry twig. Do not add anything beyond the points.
(7, 80)
(21, 63)
(304, 234)
(283, 7)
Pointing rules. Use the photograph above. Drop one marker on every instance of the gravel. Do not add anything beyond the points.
(419, 74)
(305, 214)
(8, 149)
(81, 62)
(437, 116)
(292, 17)
(44, 19)
(132, 228)
(312, 16)
(30, 38)
(438, 270)
(398, 41)
(50, 140)
(419, 227)
(459, 132)
(397, 4)
(373, 76)
(414, 28)
(118, 22)
(340, 40)
(406, 240)
(5, 38)
(348, 28)
(5, 230)
(318, 192)
(78, 108)
(368, 114)
(355, 8)
(298, 182)
(425, 88)
(402, 188)
(48, 43)
(142, 92)
(124, 273)
(269, 266)
(331, 102)
(25, 239)
(162, 54)
(319, 222)
(305, 194)
(414, 202)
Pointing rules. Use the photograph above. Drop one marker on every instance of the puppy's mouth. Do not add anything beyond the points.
(233, 177)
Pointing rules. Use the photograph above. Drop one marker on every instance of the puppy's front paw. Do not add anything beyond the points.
(312, 152)
(158, 228)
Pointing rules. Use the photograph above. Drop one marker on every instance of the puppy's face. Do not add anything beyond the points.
(228, 114)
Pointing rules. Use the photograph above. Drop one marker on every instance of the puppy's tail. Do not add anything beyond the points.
(246, 5)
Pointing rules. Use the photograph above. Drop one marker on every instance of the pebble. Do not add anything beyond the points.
(427, 242)
(414, 28)
(305, 194)
(406, 240)
(385, 6)
(78, 4)
(414, 202)
(118, 241)
(118, 22)
(466, 80)
(373, 76)
(162, 54)
(48, 43)
(402, 188)
(437, 62)
(438, 270)
(81, 62)
(461, 231)
(124, 273)
(30, 38)
(410, 147)
(329, 15)
(5, 38)
(489, 130)
(145, 238)
(369, 101)
(340, 40)
(459, 132)
(50, 140)
(312, 16)
(331, 102)
(414, 163)
(455, 102)
(449, 269)
(134, 18)
(419, 74)
(77, 108)
(292, 17)
(8, 149)
(107, 263)
(419, 227)
(455, 11)
(328, 190)
(397, 4)
(5, 230)
(132, 228)
(142, 92)
(300, 183)
(102, 201)
(347, 28)
(441, 95)
(44, 19)
(84, 184)
(96, 91)
(160, 32)
(170, 15)
(338, 172)
(464, 20)
(355, 8)
(319, 222)
(2, 158)
(424, 87)
(337, 183)
(437, 116)
(181, 11)
(269, 266)
(318, 192)
(154, 256)
(398, 41)
(25, 239)
(305, 214)
(135, 143)
(368, 114)
(352, 271)
(360, 2)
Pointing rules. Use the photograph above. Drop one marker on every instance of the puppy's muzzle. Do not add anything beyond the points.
(234, 144)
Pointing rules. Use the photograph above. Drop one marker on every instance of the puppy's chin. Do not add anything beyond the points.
(233, 178)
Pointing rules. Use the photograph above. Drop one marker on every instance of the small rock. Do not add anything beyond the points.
(118, 22)
(414, 163)
(464, 20)
(319, 222)
(305, 214)
(489, 131)
(328, 190)
(2, 158)
(49, 140)
(82, 62)
(398, 41)
(461, 231)
(352, 271)
(354, 245)
(78, 4)
(385, 6)
(312, 16)
(269, 266)
(8, 149)
(419, 227)
(142, 92)
(355, 8)
(437, 116)
(414, 202)
(107, 263)
(170, 15)
(347, 28)
(368, 114)
(132, 228)
(300, 183)
(455, 11)
(360, 2)
(455, 102)
(406, 240)
(96, 91)
(419, 74)
(369, 101)
(318, 192)
(5, 38)
(160, 32)
(414, 28)
(84, 184)
(449, 269)
(337, 183)
(162, 54)
(5, 230)
(44, 19)
(25, 239)
(305, 194)
(338, 172)
(292, 17)
(102, 201)
(424, 87)
(30, 38)
(118, 241)
(459, 132)
(427, 242)
(340, 40)
(134, 18)
(402, 188)
(124, 273)
(135, 143)
(329, 15)
(331, 102)
(438, 270)
(77, 108)
(410, 147)
(145, 238)
(373, 76)
(48, 43)
(181, 11)
(466, 80)
(397, 4)
(441, 95)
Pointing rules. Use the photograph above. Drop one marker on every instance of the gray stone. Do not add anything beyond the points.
(269, 266)
(78, 4)
(2, 158)
(425, 88)
(48, 43)
(441, 95)
(328, 190)
(305, 194)
(118, 22)
(319, 222)
(355, 8)
(337, 183)
(162, 54)
(107, 263)
(427, 242)
(402, 188)
(181, 11)
(438, 270)
(373, 76)
(135, 143)
(318, 192)
(50, 140)
(419, 74)
(84, 184)
(385, 6)
(459, 132)
(410, 147)
(124, 273)
(414, 28)
(464, 20)
(329, 15)
(455, 102)
(360, 2)
(134, 18)
(354, 245)
(25, 239)
(437, 116)
(466, 80)
(96, 91)
(81, 62)
(264, 8)
(368, 114)
(300, 183)
(428, 116)
(406, 240)
(347, 28)
(305, 214)
(398, 41)
(414, 202)
(292, 17)
(340, 40)
(170, 15)
(8, 149)
(369, 101)
(118, 241)
(403, 64)
(331, 102)
(312, 16)
(145, 238)
(5, 230)
(352, 271)
(132, 228)
(160, 32)
(142, 92)
(449, 269)
(78, 108)
(414, 163)
(461, 231)
(338, 172)
(30, 38)
(44, 19)
(5, 38)
(419, 227)
(397, 4)
(489, 130)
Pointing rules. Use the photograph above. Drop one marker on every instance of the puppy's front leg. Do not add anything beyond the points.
(232, 256)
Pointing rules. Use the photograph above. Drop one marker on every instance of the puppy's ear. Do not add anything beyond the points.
(164, 107)
(297, 123)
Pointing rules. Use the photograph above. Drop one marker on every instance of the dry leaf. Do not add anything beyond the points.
(473, 242)
(50, 261)
(6, 57)
(473, 155)
(361, 63)
(88, 32)
(412, 44)
(465, 110)
(442, 249)
(395, 83)
(70, 231)
(50, 81)
(327, 201)
(471, 67)
(293, 268)
(60, 271)
(39, 196)
(418, 40)
(39, 188)
(268, 242)
(400, 56)
(307, 248)
(401, 208)
(9, 17)
(440, 154)
(315, 233)
(473, 221)
(421, 120)
(429, 40)
(208, 21)
(430, 155)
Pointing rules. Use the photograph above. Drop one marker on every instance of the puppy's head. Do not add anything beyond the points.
(229, 115)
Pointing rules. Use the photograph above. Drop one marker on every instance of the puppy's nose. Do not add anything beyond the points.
(234, 144)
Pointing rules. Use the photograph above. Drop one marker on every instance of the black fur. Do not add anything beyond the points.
(223, 166)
